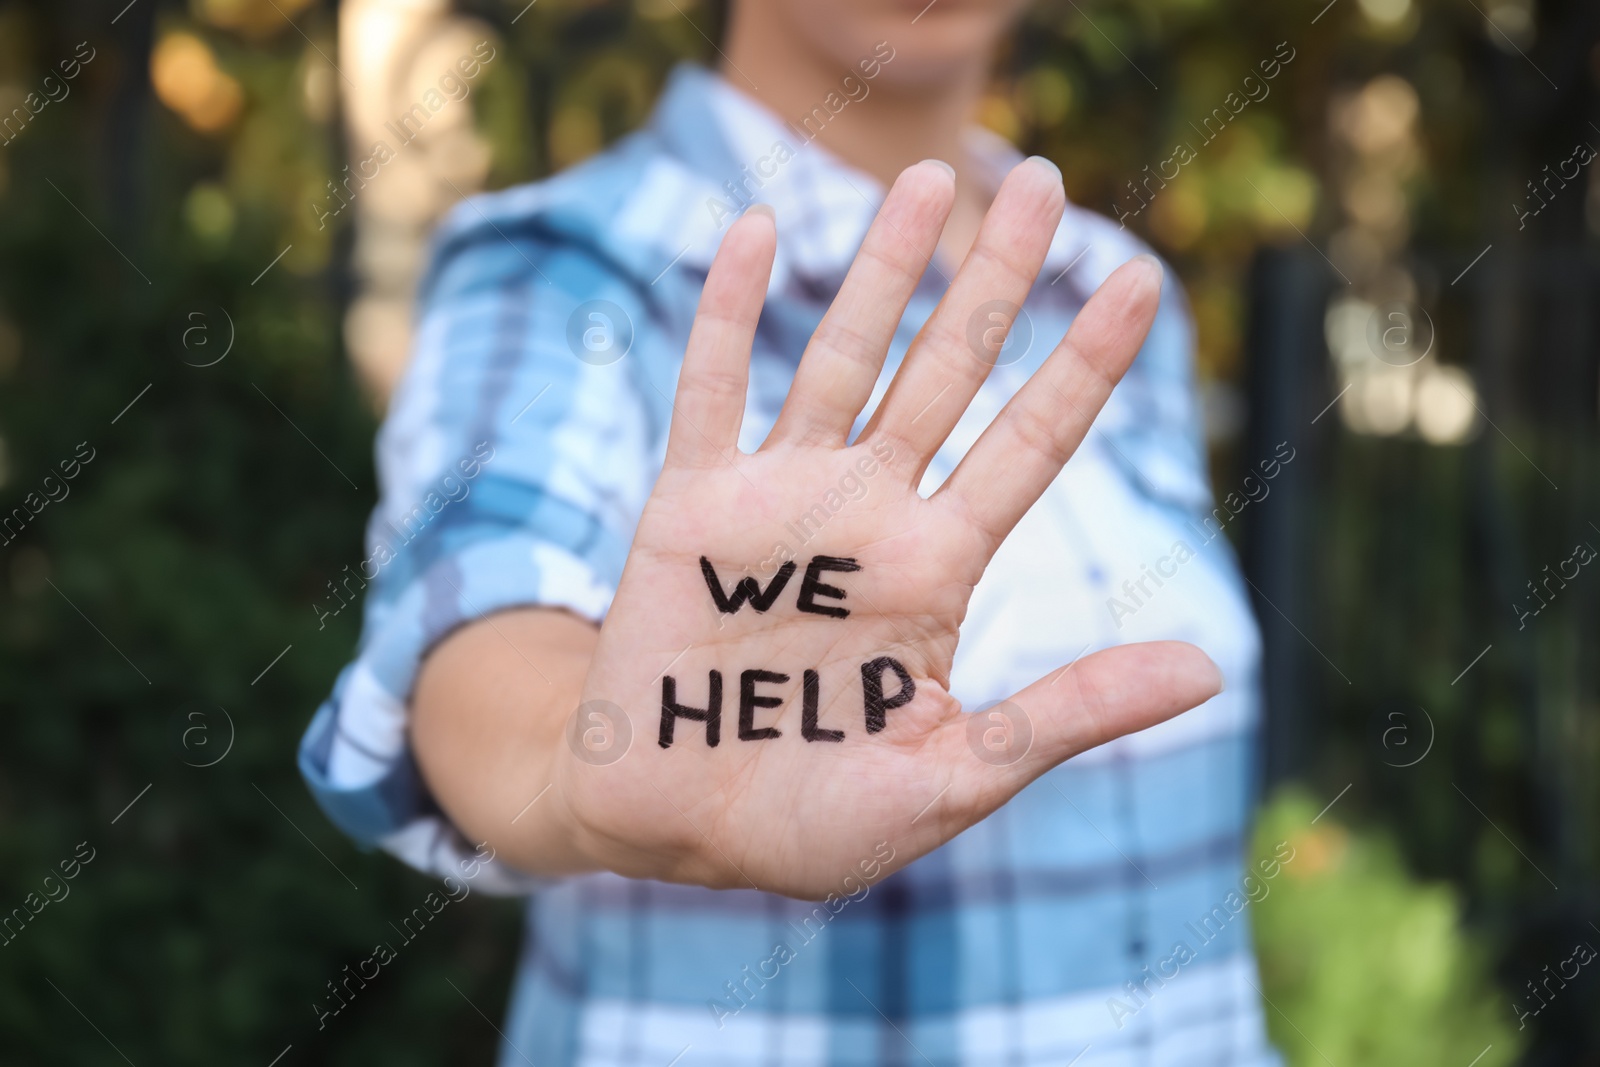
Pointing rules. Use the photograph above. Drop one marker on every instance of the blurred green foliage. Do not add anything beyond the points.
(1362, 964)
(185, 559)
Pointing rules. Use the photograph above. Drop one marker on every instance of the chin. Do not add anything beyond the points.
(947, 39)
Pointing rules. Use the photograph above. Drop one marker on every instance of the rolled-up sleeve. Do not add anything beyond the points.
(513, 464)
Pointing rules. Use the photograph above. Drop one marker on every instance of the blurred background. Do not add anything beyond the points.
(1391, 255)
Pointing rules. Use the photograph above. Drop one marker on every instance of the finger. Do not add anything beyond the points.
(845, 356)
(1103, 696)
(1022, 451)
(709, 407)
(944, 368)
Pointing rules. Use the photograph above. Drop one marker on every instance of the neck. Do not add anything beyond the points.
(882, 132)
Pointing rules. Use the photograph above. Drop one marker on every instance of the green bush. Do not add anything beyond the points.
(1363, 965)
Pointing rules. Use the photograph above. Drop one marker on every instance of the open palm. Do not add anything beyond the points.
(788, 703)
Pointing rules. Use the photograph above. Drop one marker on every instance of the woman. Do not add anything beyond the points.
(679, 651)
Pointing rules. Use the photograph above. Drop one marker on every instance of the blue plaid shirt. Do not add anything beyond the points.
(515, 460)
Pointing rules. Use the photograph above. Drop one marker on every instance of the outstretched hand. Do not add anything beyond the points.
(788, 716)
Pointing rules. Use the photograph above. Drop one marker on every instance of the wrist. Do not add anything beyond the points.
(574, 847)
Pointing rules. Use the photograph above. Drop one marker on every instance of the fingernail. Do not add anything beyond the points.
(1152, 263)
(948, 169)
(1221, 682)
(1040, 159)
(762, 209)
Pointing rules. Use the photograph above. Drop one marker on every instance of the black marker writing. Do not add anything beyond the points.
(746, 588)
(872, 690)
(671, 710)
(812, 586)
(749, 702)
(811, 685)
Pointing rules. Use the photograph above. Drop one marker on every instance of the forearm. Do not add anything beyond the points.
(489, 714)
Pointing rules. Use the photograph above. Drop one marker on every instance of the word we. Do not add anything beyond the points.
(1581, 155)
(1582, 953)
(741, 995)
(1168, 968)
(14, 523)
(1582, 554)
(385, 953)
(813, 590)
(1183, 154)
(21, 116)
(437, 499)
(32, 904)
(807, 128)
(454, 84)
(850, 488)
(1255, 490)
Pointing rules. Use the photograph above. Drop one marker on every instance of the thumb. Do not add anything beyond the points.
(1120, 690)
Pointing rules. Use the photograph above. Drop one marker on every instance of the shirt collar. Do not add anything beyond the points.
(747, 155)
